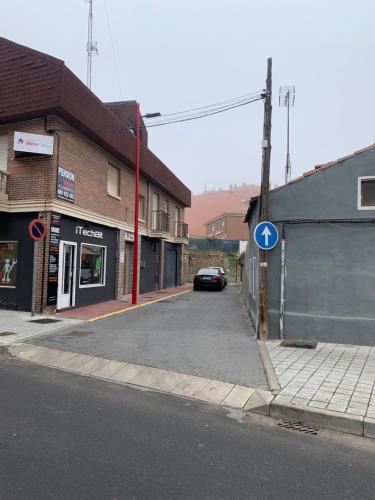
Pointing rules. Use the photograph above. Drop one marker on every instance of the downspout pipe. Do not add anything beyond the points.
(282, 283)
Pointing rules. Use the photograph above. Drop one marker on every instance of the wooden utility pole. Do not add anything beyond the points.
(262, 332)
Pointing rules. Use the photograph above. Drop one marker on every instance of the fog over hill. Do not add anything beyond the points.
(211, 203)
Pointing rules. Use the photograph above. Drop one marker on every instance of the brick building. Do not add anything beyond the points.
(69, 159)
(227, 226)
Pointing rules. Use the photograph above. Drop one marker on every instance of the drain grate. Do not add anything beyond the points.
(293, 425)
(44, 321)
(5, 334)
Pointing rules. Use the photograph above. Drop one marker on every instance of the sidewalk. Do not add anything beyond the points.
(19, 326)
(332, 385)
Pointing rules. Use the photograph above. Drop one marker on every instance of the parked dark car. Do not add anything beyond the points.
(222, 273)
(208, 279)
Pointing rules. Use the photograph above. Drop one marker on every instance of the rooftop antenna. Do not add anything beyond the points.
(91, 46)
(287, 95)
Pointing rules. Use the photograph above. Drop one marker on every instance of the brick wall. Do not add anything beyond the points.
(35, 177)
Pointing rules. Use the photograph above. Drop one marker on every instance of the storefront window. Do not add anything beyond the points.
(92, 272)
(8, 263)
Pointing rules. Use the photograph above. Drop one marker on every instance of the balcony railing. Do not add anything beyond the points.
(181, 229)
(3, 184)
(160, 221)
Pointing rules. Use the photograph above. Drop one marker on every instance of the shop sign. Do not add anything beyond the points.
(33, 143)
(129, 236)
(65, 184)
(53, 259)
(90, 233)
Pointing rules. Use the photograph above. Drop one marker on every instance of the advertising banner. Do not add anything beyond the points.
(65, 184)
(53, 259)
(33, 143)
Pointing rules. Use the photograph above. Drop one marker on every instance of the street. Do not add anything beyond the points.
(67, 436)
(207, 334)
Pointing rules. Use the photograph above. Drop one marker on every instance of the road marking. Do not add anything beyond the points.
(137, 306)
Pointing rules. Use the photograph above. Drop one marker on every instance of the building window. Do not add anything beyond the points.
(366, 193)
(113, 182)
(4, 153)
(141, 208)
(92, 266)
(167, 206)
(8, 264)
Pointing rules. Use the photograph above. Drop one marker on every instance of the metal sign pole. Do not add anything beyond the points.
(33, 292)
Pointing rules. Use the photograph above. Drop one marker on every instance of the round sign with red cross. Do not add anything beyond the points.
(37, 229)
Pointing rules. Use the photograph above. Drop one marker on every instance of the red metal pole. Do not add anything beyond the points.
(136, 209)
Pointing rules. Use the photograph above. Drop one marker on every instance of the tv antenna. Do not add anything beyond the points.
(91, 46)
(287, 95)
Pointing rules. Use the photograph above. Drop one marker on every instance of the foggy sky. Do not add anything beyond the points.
(173, 55)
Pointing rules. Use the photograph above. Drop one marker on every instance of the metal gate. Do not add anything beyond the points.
(171, 269)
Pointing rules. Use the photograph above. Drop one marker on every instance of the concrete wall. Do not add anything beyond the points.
(330, 279)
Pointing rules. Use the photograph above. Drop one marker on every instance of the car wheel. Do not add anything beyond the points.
(196, 288)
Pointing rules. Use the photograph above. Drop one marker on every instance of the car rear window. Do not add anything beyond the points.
(207, 271)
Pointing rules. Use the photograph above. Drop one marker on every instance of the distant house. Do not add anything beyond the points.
(209, 204)
(227, 226)
(326, 222)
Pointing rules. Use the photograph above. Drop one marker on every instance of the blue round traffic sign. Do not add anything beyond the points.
(266, 235)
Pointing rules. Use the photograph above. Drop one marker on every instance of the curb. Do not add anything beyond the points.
(268, 367)
(327, 419)
(225, 394)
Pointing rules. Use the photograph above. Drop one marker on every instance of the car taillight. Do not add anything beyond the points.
(216, 278)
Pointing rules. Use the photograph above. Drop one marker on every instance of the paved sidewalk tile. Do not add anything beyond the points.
(25, 327)
(335, 377)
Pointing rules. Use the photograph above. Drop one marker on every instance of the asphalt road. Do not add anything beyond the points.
(63, 436)
(205, 333)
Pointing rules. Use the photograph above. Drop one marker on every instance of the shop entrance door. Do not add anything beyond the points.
(67, 275)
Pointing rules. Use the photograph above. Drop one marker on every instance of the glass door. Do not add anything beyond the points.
(67, 275)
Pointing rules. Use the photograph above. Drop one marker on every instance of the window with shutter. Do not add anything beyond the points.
(113, 183)
(3, 152)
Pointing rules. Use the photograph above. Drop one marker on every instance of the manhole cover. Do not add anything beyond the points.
(299, 427)
(44, 321)
(5, 334)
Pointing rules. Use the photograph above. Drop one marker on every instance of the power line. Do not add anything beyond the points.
(259, 98)
(242, 97)
(189, 117)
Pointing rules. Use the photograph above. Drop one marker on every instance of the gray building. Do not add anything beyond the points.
(324, 288)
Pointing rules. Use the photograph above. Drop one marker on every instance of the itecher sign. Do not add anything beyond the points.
(89, 232)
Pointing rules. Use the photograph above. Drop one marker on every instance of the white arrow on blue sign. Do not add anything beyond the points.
(266, 235)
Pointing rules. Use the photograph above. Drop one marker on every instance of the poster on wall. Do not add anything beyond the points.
(53, 259)
(8, 264)
(65, 184)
